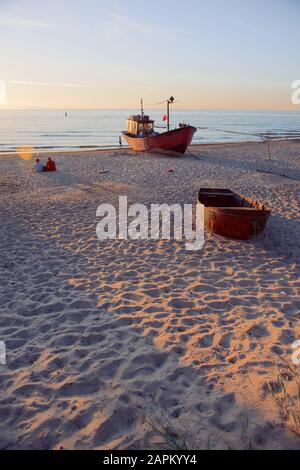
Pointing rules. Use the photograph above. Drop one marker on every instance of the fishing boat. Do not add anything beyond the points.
(142, 137)
(233, 216)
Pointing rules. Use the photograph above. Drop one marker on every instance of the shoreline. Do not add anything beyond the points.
(126, 148)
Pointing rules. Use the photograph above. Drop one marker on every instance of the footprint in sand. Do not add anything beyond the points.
(181, 304)
(116, 425)
(224, 417)
(80, 388)
(205, 342)
(226, 340)
(287, 337)
(258, 331)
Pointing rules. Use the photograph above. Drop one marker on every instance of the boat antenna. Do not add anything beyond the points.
(142, 108)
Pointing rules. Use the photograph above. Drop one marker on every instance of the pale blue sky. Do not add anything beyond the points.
(102, 54)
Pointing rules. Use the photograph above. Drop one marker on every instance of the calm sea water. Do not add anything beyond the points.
(51, 130)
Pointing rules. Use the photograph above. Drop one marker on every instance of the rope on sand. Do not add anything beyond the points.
(277, 174)
(233, 132)
(265, 138)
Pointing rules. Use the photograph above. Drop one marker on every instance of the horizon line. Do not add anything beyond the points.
(150, 109)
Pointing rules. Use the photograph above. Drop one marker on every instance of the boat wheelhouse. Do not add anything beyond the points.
(140, 125)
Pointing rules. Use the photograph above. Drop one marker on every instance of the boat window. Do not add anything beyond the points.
(132, 127)
(145, 126)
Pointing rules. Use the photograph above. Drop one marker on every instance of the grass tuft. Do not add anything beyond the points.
(170, 437)
(287, 395)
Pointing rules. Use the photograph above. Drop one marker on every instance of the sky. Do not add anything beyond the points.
(209, 54)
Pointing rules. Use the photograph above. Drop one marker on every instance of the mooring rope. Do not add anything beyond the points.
(267, 137)
(264, 138)
(236, 132)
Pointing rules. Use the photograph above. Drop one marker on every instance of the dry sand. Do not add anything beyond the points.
(104, 337)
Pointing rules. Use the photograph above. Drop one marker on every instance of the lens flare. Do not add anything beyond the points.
(25, 152)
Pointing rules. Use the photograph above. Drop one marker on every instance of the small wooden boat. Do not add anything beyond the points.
(231, 215)
(142, 137)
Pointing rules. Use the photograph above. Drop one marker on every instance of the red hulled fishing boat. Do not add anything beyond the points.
(142, 137)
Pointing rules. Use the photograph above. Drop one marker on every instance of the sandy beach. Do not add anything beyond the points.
(110, 342)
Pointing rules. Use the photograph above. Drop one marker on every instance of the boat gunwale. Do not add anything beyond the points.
(256, 206)
(243, 209)
(136, 136)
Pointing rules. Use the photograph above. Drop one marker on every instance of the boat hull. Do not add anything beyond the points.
(176, 141)
(233, 216)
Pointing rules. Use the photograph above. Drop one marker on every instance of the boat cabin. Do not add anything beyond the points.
(140, 125)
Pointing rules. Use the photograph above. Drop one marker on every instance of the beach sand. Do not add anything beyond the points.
(107, 341)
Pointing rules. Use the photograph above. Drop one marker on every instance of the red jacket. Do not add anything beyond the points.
(51, 165)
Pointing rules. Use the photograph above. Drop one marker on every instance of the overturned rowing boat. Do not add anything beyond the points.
(231, 215)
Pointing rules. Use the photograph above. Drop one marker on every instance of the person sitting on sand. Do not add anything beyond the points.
(51, 165)
(38, 167)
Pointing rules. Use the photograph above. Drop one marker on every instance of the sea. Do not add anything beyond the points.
(58, 130)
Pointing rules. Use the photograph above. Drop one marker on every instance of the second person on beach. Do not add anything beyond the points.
(51, 165)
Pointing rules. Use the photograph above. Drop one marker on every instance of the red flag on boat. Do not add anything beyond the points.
(165, 118)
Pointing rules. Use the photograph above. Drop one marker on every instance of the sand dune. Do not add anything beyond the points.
(106, 338)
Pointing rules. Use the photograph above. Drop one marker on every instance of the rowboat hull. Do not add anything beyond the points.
(233, 216)
(176, 141)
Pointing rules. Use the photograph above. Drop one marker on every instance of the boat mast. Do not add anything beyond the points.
(170, 101)
(142, 108)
